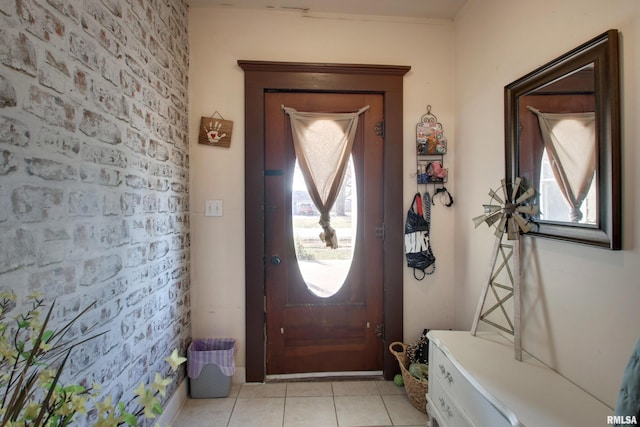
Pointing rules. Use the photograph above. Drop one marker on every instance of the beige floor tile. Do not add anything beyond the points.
(389, 387)
(263, 390)
(354, 388)
(258, 412)
(205, 413)
(361, 411)
(309, 411)
(235, 389)
(402, 412)
(305, 404)
(307, 389)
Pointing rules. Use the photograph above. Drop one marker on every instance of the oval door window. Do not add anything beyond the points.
(323, 269)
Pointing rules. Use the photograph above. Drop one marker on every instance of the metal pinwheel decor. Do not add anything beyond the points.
(510, 213)
(512, 210)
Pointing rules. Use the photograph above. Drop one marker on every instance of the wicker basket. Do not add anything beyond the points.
(416, 389)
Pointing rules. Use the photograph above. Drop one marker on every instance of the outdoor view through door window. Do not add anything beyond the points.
(323, 269)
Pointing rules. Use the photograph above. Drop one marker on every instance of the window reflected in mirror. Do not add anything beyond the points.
(560, 150)
(554, 205)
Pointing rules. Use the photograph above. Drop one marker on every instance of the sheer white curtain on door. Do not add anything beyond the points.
(323, 143)
(570, 141)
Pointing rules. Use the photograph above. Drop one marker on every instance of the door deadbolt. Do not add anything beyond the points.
(275, 260)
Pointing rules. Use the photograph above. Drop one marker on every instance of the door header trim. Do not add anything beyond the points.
(303, 67)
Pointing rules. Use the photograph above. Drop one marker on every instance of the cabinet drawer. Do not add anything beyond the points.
(435, 417)
(465, 395)
(490, 388)
(446, 412)
(441, 368)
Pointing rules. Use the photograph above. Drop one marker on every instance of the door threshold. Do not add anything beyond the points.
(320, 376)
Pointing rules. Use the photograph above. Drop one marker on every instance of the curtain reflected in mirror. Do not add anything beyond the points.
(554, 204)
(563, 138)
(559, 121)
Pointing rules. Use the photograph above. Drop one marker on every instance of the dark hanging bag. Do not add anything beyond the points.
(416, 239)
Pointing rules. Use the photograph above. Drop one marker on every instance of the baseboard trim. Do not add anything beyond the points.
(174, 405)
(325, 375)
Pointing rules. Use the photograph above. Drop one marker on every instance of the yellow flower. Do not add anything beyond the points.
(79, 404)
(105, 406)
(160, 384)
(46, 377)
(8, 295)
(175, 360)
(95, 388)
(148, 401)
(31, 411)
(45, 346)
(34, 296)
(7, 351)
(106, 420)
(140, 391)
(65, 409)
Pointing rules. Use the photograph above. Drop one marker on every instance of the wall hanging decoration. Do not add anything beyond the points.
(509, 213)
(430, 135)
(431, 146)
(215, 131)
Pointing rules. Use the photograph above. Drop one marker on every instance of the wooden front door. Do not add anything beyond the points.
(305, 332)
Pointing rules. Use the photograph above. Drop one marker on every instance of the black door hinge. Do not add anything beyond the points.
(380, 231)
(379, 128)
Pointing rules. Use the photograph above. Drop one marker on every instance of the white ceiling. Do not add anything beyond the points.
(416, 9)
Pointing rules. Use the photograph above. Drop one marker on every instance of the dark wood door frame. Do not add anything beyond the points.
(263, 76)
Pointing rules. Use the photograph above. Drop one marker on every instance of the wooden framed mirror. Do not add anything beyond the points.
(562, 135)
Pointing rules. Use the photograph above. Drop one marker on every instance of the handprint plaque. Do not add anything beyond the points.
(215, 131)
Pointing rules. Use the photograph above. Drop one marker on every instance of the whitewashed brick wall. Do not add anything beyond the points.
(94, 175)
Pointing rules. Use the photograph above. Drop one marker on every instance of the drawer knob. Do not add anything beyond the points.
(445, 408)
(446, 374)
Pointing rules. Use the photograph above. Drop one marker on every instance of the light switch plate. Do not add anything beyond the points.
(213, 208)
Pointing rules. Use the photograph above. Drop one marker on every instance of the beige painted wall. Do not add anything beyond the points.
(220, 37)
(580, 303)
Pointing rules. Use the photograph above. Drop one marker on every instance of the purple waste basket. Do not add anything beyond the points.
(210, 367)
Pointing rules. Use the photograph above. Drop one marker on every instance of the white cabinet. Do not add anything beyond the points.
(475, 381)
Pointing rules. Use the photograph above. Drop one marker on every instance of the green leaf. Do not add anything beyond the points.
(157, 409)
(130, 419)
(47, 335)
(77, 389)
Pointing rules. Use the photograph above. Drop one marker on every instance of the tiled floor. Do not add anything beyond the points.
(305, 404)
